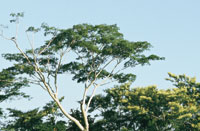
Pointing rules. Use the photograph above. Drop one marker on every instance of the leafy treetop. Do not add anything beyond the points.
(95, 47)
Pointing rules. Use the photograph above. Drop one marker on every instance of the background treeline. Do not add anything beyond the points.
(122, 108)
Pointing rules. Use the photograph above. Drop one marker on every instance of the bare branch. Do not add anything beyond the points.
(31, 44)
(48, 72)
(120, 70)
(17, 26)
(46, 46)
(16, 44)
(108, 82)
(39, 83)
(56, 73)
(118, 62)
(37, 68)
(6, 38)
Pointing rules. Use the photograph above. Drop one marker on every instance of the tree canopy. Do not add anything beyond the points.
(98, 54)
(124, 108)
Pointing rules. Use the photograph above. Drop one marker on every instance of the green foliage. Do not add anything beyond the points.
(148, 108)
(94, 47)
(10, 86)
(33, 29)
(36, 120)
(25, 120)
(49, 30)
(16, 17)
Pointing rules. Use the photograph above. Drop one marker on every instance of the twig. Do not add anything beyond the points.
(46, 46)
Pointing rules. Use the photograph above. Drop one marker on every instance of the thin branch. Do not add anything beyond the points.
(105, 66)
(46, 46)
(16, 44)
(39, 72)
(31, 43)
(121, 70)
(102, 82)
(56, 73)
(48, 72)
(92, 82)
(14, 40)
(17, 25)
(37, 68)
(6, 38)
(58, 67)
(100, 72)
(108, 82)
(35, 76)
(80, 57)
(118, 62)
(39, 83)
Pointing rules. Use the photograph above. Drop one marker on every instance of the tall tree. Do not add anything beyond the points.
(100, 52)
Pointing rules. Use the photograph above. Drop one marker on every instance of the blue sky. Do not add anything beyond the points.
(171, 26)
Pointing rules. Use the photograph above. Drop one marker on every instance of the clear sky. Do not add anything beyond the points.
(171, 26)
